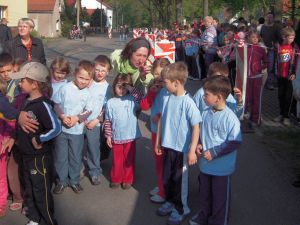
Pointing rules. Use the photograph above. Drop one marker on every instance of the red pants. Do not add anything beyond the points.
(3, 179)
(158, 168)
(123, 165)
(253, 98)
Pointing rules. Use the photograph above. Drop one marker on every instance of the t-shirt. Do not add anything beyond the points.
(285, 58)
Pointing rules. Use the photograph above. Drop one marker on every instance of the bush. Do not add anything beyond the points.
(66, 27)
(35, 34)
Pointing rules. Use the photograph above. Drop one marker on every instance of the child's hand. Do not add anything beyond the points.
(207, 155)
(155, 87)
(192, 158)
(199, 150)
(239, 95)
(67, 121)
(92, 124)
(109, 142)
(27, 123)
(155, 119)
(292, 77)
(35, 144)
(158, 150)
(73, 121)
(7, 144)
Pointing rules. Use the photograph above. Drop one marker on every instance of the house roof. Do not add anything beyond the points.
(70, 2)
(90, 11)
(105, 4)
(40, 6)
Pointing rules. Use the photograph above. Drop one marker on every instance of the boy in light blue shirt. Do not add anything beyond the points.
(73, 99)
(100, 92)
(220, 137)
(177, 136)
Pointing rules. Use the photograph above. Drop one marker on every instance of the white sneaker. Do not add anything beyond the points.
(32, 223)
(278, 118)
(287, 122)
(154, 191)
(157, 199)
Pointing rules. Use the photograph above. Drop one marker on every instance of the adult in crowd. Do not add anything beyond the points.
(209, 41)
(270, 34)
(5, 33)
(25, 46)
(133, 60)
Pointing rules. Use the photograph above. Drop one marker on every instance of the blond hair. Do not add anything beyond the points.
(28, 21)
(176, 71)
(287, 31)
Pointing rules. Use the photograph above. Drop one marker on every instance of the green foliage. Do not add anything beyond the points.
(96, 18)
(66, 26)
(34, 33)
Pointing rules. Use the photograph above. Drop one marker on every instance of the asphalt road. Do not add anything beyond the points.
(261, 187)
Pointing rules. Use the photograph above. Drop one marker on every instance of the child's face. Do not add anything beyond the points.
(120, 89)
(288, 39)
(253, 39)
(210, 98)
(82, 79)
(157, 72)
(27, 87)
(5, 72)
(58, 75)
(170, 85)
(100, 72)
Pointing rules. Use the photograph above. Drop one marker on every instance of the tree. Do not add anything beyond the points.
(96, 18)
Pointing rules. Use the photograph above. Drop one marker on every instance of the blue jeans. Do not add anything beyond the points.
(93, 151)
(68, 158)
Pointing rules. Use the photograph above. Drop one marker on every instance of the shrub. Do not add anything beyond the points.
(66, 27)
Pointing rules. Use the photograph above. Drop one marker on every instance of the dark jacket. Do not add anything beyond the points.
(5, 33)
(7, 111)
(16, 48)
(40, 109)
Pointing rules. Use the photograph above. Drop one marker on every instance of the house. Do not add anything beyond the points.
(13, 10)
(92, 5)
(46, 16)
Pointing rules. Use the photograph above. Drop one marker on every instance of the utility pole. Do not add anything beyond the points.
(101, 18)
(78, 11)
(205, 8)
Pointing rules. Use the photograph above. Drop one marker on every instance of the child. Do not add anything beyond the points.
(257, 61)
(220, 137)
(236, 105)
(36, 148)
(13, 93)
(73, 99)
(6, 143)
(178, 134)
(99, 91)
(287, 60)
(59, 69)
(152, 100)
(121, 130)
(192, 53)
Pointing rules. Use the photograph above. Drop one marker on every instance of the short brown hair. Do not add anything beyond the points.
(60, 63)
(121, 77)
(131, 47)
(87, 66)
(104, 61)
(161, 62)
(176, 71)
(218, 85)
(218, 68)
(6, 59)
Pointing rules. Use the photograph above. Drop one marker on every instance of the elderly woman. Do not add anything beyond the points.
(133, 60)
(25, 46)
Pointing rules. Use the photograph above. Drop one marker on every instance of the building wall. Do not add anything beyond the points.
(47, 24)
(14, 10)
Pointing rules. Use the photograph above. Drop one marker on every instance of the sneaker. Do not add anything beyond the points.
(175, 218)
(287, 122)
(193, 220)
(59, 188)
(126, 186)
(32, 223)
(77, 188)
(270, 87)
(114, 185)
(157, 199)
(154, 191)
(165, 209)
(278, 118)
(95, 180)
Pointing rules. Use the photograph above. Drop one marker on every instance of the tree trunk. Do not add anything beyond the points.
(205, 8)
(179, 11)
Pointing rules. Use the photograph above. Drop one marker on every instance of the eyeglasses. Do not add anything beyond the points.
(100, 71)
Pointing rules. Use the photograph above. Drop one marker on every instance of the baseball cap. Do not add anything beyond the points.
(33, 70)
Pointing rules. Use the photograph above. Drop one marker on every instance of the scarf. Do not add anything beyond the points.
(126, 68)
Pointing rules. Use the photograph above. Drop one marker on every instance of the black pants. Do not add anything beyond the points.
(175, 176)
(38, 179)
(193, 66)
(285, 93)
